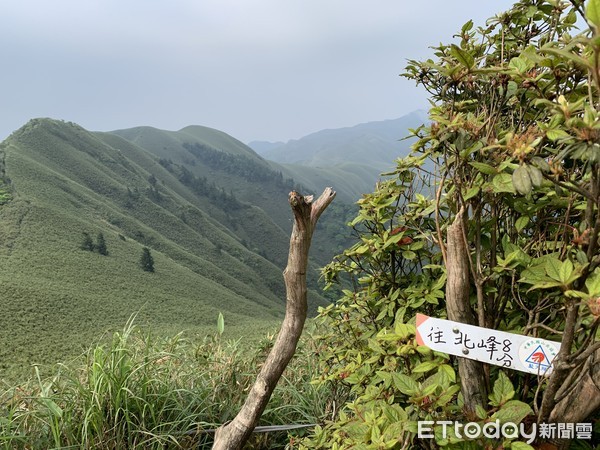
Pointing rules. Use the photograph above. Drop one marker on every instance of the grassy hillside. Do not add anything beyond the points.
(222, 161)
(219, 160)
(60, 181)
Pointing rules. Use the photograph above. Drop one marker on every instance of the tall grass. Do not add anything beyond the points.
(138, 392)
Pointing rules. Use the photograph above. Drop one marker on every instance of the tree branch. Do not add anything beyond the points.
(472, 377)
(233, 435)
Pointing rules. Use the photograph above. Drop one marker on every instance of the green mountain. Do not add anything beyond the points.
(354, 156)
(217, 159)
(213, 214)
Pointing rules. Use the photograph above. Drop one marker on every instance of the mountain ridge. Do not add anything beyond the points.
(389, 129)
(213, 212)
(357, 155)
(65, 181)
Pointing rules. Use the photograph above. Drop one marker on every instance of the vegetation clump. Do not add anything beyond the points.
(101, 245)
(87, 243)
(146, 260)
(240, 165)
(138, 392)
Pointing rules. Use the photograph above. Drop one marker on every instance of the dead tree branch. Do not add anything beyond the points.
(233, 435)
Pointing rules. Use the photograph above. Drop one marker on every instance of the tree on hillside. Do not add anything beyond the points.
(493, 220)
(87, 243)
(101, 245)
(153, 189)
(146, 260)
(153, 181)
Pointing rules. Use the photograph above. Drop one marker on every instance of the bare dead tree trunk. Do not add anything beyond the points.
(472, 377)
(233, 435)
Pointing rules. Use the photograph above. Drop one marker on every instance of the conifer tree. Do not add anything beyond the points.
(87, 243)
(101, 245)
(146, 261)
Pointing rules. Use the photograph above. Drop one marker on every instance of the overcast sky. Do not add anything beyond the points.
(256, 69)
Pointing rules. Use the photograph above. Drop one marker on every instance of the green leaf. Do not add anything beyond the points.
(534, 274)
(593, 284)
(535, 175)
(403, 330)
(562, 53)
(483, 167)
(511, 89)
(361, 249)
(393, 430)
(521, 222)
(425, 351)
(393, 239)
(409, 255)
(449, 372)
(552, 266)
(467, 26)
(556, 133)
(447, 395)
(405, 384)
(472, 192)
(425, 366)
(503, 390)
(52, 407)
(463, 57)
(576, 294)
(592, 12)
(518, 64)
(388, 337)
(376, 347)
(220, 324)
(429, 390)
(353, 378)
(480, 412)
(541, 163)
(385, 377)
(565, 271)
(513, 411)
(521, 180)
(545, 285)
(581, 257)
(503, 183)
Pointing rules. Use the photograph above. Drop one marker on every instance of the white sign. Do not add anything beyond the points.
(513, 351)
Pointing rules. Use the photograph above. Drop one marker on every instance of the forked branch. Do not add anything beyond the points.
(233, 435)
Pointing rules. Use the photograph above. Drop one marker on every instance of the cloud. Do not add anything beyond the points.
(255, 68)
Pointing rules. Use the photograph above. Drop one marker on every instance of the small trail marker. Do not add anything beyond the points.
(510, 350)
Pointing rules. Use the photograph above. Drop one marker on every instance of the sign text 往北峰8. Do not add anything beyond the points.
(510, 350)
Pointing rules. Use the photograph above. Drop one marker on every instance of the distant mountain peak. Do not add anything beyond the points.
(387, 128)
(375, 143)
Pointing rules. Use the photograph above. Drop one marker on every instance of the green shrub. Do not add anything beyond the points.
(87, 243)
(511, 153)
(146, 260)
(101, 245)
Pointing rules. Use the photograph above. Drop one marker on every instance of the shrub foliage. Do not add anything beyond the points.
(513, 141)
(146, 260)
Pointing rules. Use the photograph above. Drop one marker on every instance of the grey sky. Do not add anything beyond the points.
(256, 69)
